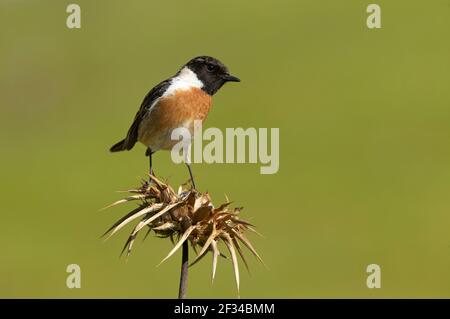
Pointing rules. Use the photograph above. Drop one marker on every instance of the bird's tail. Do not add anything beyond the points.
(118, 146)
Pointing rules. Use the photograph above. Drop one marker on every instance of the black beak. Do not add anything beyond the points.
(229, 78)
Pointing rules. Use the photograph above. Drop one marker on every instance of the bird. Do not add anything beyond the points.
(176, 103)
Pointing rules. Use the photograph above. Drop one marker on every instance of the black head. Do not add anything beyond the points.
(211, 72)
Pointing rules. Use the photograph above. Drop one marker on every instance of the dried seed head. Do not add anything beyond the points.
(187, 215)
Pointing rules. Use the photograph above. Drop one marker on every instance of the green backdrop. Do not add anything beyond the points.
(364, 118)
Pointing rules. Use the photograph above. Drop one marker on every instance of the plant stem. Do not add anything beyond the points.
(184, 271)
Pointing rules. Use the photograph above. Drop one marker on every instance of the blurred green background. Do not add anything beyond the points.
(364, 118)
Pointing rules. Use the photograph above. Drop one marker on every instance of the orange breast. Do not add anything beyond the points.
(177, 110)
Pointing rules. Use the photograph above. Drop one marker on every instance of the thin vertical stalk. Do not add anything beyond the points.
(184, 271)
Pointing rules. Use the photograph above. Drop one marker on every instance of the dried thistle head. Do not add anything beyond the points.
(186, 215)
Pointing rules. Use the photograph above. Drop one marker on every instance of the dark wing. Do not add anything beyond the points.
(150, 98)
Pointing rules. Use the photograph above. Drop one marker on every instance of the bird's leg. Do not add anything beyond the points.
(190, 174)
(150, 164)
(149, 154)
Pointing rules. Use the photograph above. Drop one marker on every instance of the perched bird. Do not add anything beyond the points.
(176, 103)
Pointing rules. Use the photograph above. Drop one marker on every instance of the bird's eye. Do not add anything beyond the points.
(210, 67)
